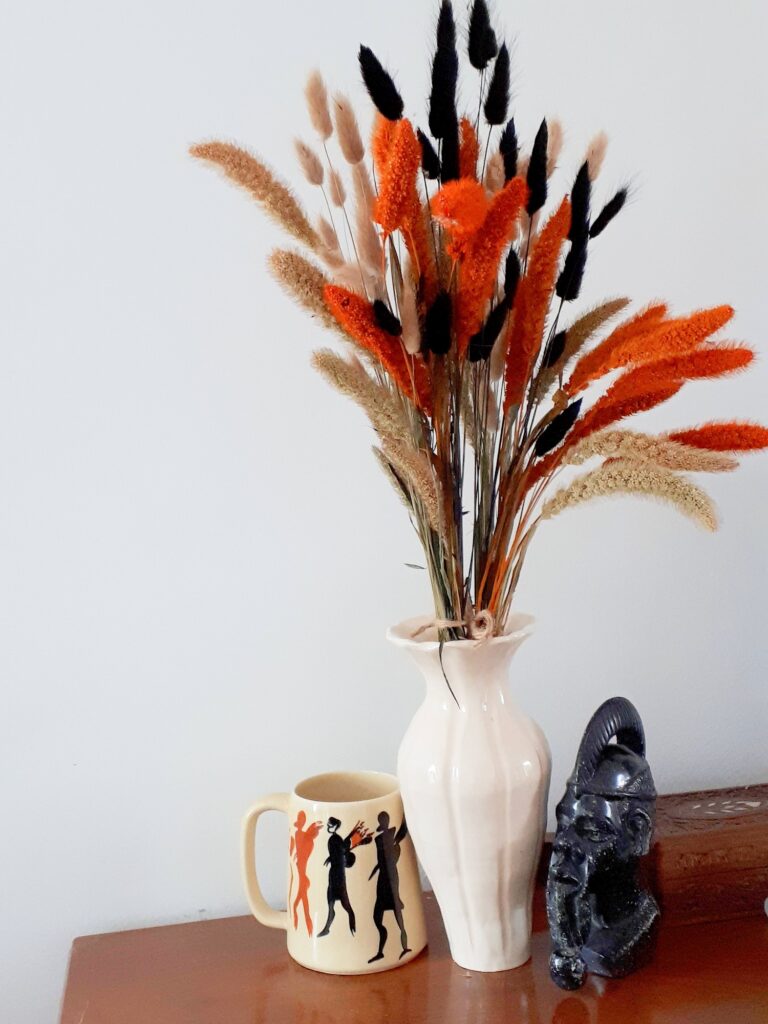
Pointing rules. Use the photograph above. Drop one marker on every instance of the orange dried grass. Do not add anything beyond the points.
(469, 149)
(355, 315)
(589, 367)
(730, 436)
(532, 303)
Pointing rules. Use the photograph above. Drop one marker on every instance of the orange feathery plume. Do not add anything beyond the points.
(480, 267)
(468, 149)
(381, 142)
(533, 298)
(715, 361)
(589, 367)
(398, 179)
(461, 207)
(669, 338)
(355, 315)
(734, 436)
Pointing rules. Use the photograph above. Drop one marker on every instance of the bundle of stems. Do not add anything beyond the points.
(443, 264)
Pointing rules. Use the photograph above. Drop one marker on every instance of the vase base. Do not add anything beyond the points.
(490, 966)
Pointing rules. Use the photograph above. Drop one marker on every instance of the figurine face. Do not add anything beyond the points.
(595, 833)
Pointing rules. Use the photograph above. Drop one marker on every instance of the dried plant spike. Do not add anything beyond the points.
(627, 476)
(445, 72)
(612, 208)
(494, 173)
(732, 436)
(310, 164)
(581, 330)
(629, 444)
(400, 488)
(596, 154)
(317, 104)
(349, 378)
(347, 130)
(468, 149)
(369, 247)
(327, 233)
(251, 174)
(380, 86)
(409, 315)
(413, 466)
(303, 282)
(336, 190)
(398, 181)
(554, 145)
(481, 44)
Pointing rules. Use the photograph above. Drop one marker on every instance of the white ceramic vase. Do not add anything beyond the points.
(474, 775)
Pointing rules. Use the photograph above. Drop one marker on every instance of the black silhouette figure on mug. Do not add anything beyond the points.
(388, 883)
(340, 857)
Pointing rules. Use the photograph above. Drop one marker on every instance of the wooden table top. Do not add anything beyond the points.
(234, 971)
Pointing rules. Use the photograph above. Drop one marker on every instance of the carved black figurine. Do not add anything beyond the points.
(601, 919)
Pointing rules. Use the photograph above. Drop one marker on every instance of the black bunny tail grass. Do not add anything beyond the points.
(430, 161)
(511, 276)
(437, 325)
(449, 170)
(497, 98)
(555, 432)
(386, 319)
(380, 85)
(481, 344)
(580, 199)
(445, 74)
(482, 44)
(509, 149)
(537, 171)
(608, 212)
(553, 351)
(571, 276)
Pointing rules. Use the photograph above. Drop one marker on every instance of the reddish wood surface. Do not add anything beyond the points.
(233, 971)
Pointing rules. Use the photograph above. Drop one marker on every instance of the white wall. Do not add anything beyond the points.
(198, 557)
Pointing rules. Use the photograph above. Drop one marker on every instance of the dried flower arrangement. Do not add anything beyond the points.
(452, 289)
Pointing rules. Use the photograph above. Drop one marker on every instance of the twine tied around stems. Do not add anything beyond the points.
(479, 626)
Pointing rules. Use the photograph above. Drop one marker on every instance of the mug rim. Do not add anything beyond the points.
(374, 776)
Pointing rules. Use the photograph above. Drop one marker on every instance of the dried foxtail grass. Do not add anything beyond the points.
(596, 154)
(331, 252)
(304, 283)
(554, 144)
(409, 315)
(369, 248)
(247, 171)
(350, 378)
(336, 190)
(400, 488)
(309, 161)
(347, 130)
(413, 466)
(580, 332)
(317, 104)
(634, 476)
(629, 444)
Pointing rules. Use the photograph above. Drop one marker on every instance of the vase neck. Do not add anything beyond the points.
(467, 674)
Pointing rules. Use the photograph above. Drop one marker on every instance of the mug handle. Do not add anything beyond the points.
(260, 909)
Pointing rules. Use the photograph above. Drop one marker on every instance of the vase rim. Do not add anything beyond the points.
(518, 627)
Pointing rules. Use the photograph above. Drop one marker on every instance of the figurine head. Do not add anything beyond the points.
(301, 820)
(333, 824)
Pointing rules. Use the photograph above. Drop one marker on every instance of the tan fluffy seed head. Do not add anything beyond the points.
(554, 145)
(303, 282)
(409, 315)
(414, 468)
(629, 444)
(309, 162)
(350, 378)
(634, 476)
(494, 173)
(336, 190)
(347, 130)
(250, 173)
(596, 154)
(317, 104)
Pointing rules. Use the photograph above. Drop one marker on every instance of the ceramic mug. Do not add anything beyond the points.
(354, 895)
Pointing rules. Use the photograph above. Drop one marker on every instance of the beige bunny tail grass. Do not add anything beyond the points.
(596, 154)
(347, 130)
(247, 171)
(317, 104)
(494, 173)
(329, 238)
(353, 277)
(554, 145)
(309, 161)
(363, 185)
(630, 476)
(336, 189)
(303, 282)
(629, 444)
(350, 378)
(401, 489)
(369, 247)
(414, 468)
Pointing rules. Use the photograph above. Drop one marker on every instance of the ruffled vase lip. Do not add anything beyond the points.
(518, 627)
